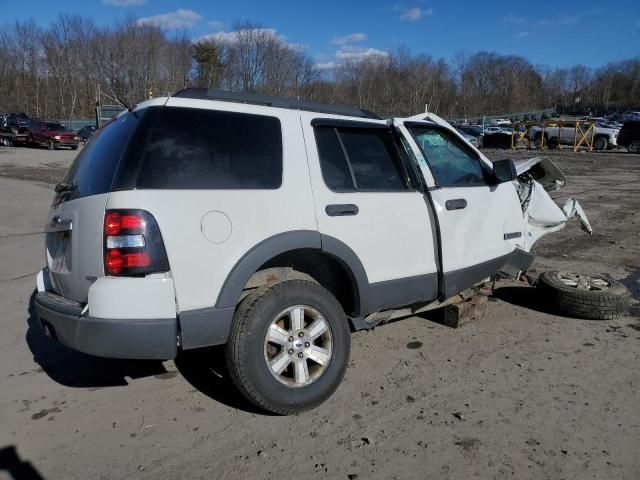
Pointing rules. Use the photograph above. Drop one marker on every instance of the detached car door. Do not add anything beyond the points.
(480, 221)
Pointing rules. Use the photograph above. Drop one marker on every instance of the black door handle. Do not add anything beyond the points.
(455, 204)
(340, 210)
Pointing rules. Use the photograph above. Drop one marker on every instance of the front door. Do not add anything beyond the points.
(480, 222)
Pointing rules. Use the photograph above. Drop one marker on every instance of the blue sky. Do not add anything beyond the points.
(590, 32)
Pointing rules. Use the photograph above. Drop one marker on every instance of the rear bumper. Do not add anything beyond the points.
(112, 338)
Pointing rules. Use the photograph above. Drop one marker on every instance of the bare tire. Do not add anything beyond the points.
(289, 346)
(600, 143)
(584, 296)
(553, 143)
(634, 147)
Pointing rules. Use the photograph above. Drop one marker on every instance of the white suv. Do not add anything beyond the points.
(273, 226)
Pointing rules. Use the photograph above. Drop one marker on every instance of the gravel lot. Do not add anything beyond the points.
(520, 394)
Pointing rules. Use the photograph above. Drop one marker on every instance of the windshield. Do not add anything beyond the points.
(57, 127)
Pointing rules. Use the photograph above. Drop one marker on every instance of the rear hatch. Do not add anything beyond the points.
(74, 229)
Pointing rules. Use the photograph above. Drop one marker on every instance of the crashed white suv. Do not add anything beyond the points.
(273, 226)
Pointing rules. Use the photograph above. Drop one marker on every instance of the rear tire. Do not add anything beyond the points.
(284, 376)
(582, 296)
(600, 143)
(634, 147)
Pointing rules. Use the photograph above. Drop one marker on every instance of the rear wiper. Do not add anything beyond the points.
(64, 187)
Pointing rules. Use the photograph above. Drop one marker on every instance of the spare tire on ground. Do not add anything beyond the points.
(594, 297)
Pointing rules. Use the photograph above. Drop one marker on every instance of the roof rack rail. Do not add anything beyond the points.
(279, 102)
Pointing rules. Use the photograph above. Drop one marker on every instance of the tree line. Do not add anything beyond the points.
(56, 72)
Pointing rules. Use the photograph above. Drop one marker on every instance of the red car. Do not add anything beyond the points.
(52, 135)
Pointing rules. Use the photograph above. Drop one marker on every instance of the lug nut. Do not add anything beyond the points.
(290, 352)
(291, 339)
(307, 344)
(301, 334)
(300, 355)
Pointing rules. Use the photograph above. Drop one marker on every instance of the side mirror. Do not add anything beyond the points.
(504, 171)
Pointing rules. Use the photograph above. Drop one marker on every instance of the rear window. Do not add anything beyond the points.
(187, 148)
(93, 169)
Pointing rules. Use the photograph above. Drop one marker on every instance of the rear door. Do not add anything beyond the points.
(480, 223)
(74, 226)
(367, 197)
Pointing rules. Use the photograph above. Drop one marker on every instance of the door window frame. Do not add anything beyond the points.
(400, 157)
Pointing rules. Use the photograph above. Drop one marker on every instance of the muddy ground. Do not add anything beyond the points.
(520, 394)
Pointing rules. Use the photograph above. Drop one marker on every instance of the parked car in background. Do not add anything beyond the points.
(490, 129)
(473, 130)
(52, 135)
(603, 138)
(501, 121)
(629, 136)
(469, 138)
(85, 132)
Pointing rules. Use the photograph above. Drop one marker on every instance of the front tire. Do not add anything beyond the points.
(634, 147)
(50, 145)
(289, 346)
(600, 143)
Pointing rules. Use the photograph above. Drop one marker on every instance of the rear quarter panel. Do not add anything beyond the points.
(200, 267)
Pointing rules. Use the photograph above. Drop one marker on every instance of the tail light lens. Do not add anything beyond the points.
(133, 244)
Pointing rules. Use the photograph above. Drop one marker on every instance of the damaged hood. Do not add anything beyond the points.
(543, 171)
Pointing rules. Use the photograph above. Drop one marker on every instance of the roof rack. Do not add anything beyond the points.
(279, 102)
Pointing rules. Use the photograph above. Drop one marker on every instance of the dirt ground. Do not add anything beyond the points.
(519, 394)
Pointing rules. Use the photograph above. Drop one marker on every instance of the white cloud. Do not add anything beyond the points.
(523, 34)
(123, 3)
(571, 19)
(232, 37)
(414, 14)
(512, 19)
(326, 65)
(216, 24)
(353, 53)
(349, 38)
(181, 18)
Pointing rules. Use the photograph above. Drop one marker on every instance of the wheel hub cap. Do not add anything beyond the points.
(298, 346)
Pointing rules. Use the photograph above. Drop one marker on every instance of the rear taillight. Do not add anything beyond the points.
(133, 244)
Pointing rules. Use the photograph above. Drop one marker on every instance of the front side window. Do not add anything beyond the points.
(452, 164)
(360, 159)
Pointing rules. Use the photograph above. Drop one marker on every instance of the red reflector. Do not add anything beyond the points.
(114, 222)
(116, 260)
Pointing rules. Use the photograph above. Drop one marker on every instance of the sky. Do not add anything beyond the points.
(559, 33)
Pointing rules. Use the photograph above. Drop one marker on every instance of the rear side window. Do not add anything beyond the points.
(186, 148)
(93, 169)
(360, 159)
